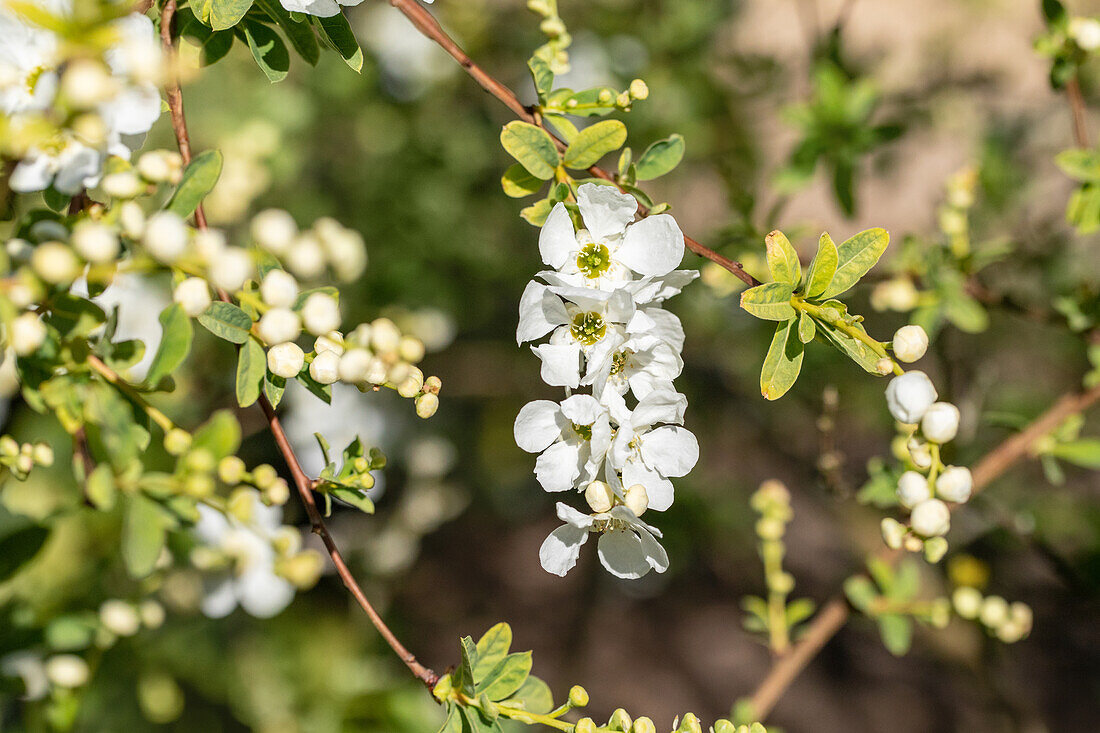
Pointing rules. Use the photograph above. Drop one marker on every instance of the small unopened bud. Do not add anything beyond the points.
(411, 349)
(277, 493)
(994, 611)
(119, 617)
(636, 499)
(325, 367)
(919, 453)
(231, 269)
(209, 244)
(321, 314)
(28, 332)
(884, 366)
(55, 263)
(95, 242)
(177, 441)
(231, 470)
(302, 570)
(193, 295)
(274, 230)
(578, 696)
(384, 336)
(152, 614)
(87, 83)
(426, 405)
(639, 89)
(42, 454)
(165, 236)
(690, 724)
(644, 725)
(912, 489)
(279, 325)
(285, 360)
(910, 343)
(67, 670)
(332, 341)
(893, 533)
(930, 518)
(909, 395)
(585, 725)
(132, 219)
(122, 185)
(354, 364)
(934, 549)
(161, 166)
(940, 422)
(967, 602)
(620, 720)
(241, 503)
(306, 257)
(264, 475)
(599, 497)
(432, 385)
(279, 289)
(955, 484)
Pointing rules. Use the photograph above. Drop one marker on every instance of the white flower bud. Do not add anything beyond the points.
(306, 258)
(940, 423)
(910, 343)
(87, 83)
(955, 484)
(412, 384)
(209, 244)
(132, 219)
(95, 242)
(909, 395)
(231, 269)
(119, 617)
(279, 289)
(919, 453)
(636, 499)
(384, 336)
(152, 614)
(55, 263)
(1085, 32)
(122, 185)
(274, 230)
(967, 602)
(165, 236)
(332, 341)
(377, 371)
(411, 349)
(278, 326)
(893, 533)
(353, 365)
(67, 670)
(426, 405)
(638, 89)
(28, 332)
(913, 489)
(193, 295)
(994, 611)
(930, 518)
(161, 166)
(320, 314)
(325, 367)
(285, 360)
(599, 497)
(884, 366)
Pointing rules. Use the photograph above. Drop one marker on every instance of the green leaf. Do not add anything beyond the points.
(542, 76)
(1079, 164)
(56, 200)
(492, 648)
(19, 547)
(74, 316)
(223, 14)
(267, 49)
(251, 368)
(508, 676)
(770, 301)
(226, 321)
(100, 487)
(273, 388)
(799, 610)
(453, 723)
(594, 142)
(856, 256)
(806, 328)
(844, 186)
(562, 125)
(965, 312)
(299, 32)
(1084, 452)
(144, 532)
(353, 497)
(535, 696)
(220, 435)
(660, 158)
(782, 363)
(537, 212)
(822, 268)
(897, 633)
(532, 147)
(782, 259)
(856, 350)
(198, 180)
(517, 182)
(175, 344)
(860, 591)
(465, 672)
(337, 31)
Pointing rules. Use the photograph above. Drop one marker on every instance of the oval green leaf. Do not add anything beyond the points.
(855, 257)
(594, 142)
(822, 268)
(782, 258)
(660, 158)
(532, 147)
(770, 301)
(782, 363)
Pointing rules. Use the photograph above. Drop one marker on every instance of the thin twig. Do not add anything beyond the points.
(426, 23)
(1077, 104)
(302, 482)
(836, 611)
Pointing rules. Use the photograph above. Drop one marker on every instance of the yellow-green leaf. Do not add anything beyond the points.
(782, 363)
(532, 147)
(822, 268)
(770, 301)
(517, 182)
(660, 158)
(594, 142)
(782, 259)
(855, 257)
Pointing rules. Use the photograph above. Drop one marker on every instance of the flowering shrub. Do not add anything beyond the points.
(102, 232)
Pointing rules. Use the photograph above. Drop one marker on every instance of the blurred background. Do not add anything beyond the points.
(407, 153)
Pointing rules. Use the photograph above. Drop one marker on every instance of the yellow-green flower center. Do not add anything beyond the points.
(588, 327)
(585, 431)
(619, 361)
(594, 260)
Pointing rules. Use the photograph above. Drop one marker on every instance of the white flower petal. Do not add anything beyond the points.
(561, 548)
(264, 594)
(670, 450)
(561, 364)
(540, 312)
(558, 467)
(652, 246)
(538, 424)
(319, 8)
(32, 174)
(569, 515)
(665, 406)
(557, 240)
(655, 554)
(219, 598)
(668, 329)
(622, 554)
(582, 409)
(658, 488)
(605, 209)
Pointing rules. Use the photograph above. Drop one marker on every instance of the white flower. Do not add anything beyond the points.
(909, 395)
(278, 326)
(955, 484)
(1085, 32)
(910, 343)
(274, 230)
(912, 489)
(231, 269)
(612, 246)
(28, 332)
(67, 670)
(95, 242)
(165, 236)
(627, 547)
(940, 422)
(193, 295)
(640, 365)
(320, 314)
(319, 8)
(279, 289)
(119, 617)
(252, 582)
(572, 439)
(325, 367)
(285, 360)
(930, 518)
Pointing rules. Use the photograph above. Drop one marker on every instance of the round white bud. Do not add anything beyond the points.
(161, 166)
(913, 489)
(55, 263)
(884, 366)
(893, 532)
(306, 258)
(28, 332)
(193, 295)
(332, 341)
(67, 670)
(909, 395)
(353, 365)
(636, 499)
(967, 602)
(910, 343)
(209, 244)
(285, 360)
(940, 422)
(279, 325)
(325, 367)
(87, 83)
(599, 496)
(1085, 32)
(411, 349)
(119, 617)
(384, 336)
(132, 219)
(930, 518)
(955, 484)
(122, 185)
(231, 269)
(377, 371)
(274, 230)
(279, 289)
(165, 236)
(994, 611)
(426, 405)
(919, 452)
(95, 242)
(321, 314)
(152, 614)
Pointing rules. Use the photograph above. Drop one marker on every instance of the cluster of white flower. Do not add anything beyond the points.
(926, 426)
(601, 306)
(108, 102)
(1009, 622)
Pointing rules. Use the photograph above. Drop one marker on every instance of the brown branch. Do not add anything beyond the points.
(1077, 105)
(303, 483)
(426, 23)
(835, 613)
